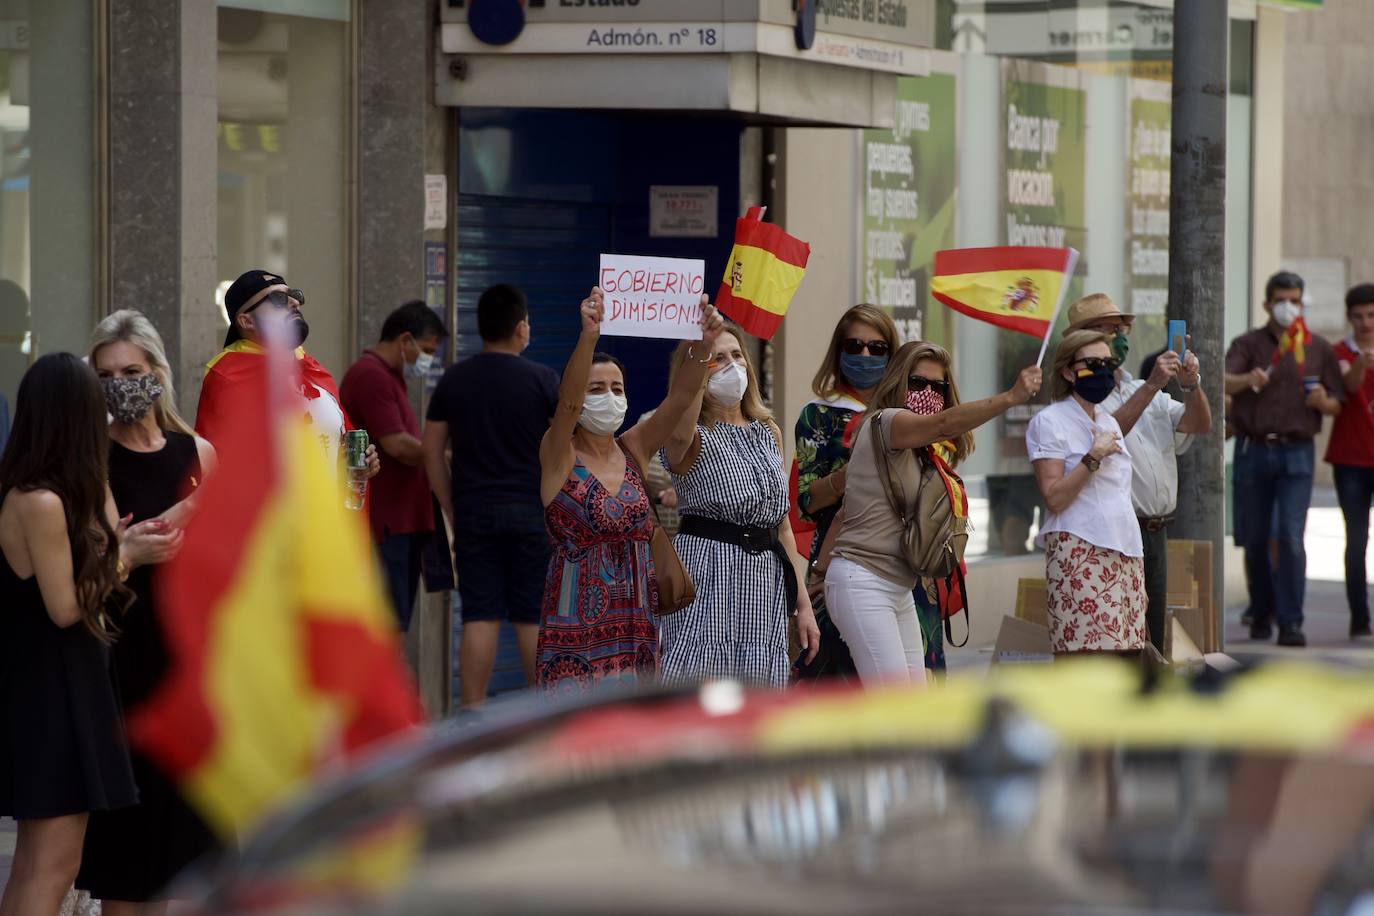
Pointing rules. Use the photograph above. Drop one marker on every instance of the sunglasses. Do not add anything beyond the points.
(1097, 363)
(921, 383)
(854, 346)
(281, 300)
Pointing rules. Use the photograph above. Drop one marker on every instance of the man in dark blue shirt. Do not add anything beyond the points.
(492, 410)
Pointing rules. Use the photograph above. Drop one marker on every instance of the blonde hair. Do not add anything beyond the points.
(751, 405)
(1060, 387)
(829, 375)
(133, 327)
(891, 391)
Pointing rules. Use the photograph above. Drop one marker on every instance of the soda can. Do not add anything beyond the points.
(355, 448)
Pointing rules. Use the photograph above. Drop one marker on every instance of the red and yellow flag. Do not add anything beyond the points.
(1013, 287)
(765, 268)
(1294, 339)
(283, 653)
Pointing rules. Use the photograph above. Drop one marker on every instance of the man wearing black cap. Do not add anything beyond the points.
(261, 307)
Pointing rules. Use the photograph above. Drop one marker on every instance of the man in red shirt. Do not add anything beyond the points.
(374, 394)
(1351, 450)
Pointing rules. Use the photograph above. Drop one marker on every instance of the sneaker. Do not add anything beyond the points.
(1292, 636)
(1360, 630)
(1247, 619)
(1261, 631)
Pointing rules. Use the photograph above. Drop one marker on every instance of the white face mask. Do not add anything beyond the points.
(727, 386)
(603, 413)
(1285, 313)
(420, 368)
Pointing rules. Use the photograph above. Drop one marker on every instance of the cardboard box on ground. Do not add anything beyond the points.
(1190, 630)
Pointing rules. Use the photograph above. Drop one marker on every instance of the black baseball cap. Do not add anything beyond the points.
(246, 291)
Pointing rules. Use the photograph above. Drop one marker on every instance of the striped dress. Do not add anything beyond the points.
(737, 627)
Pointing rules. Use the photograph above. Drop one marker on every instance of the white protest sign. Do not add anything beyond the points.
(652, 297)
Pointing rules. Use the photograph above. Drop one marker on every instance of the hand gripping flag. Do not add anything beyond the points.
(765, 268)
(1294, 339)
(283, 652)
(1017, 288)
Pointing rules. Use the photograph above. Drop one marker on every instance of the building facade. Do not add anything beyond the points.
(375, 151)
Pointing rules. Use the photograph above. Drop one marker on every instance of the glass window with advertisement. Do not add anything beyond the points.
(284, 152)
(1083, 95)
(47, 189)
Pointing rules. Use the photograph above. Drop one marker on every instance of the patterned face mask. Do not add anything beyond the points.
(925, 402)
(130, 398)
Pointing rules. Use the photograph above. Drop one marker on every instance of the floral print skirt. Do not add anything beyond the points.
(1096, 597)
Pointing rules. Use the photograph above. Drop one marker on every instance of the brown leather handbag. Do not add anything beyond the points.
(675, 587)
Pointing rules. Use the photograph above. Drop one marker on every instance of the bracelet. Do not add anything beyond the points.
(691, 354)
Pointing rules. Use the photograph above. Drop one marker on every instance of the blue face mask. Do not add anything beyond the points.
(863, 371)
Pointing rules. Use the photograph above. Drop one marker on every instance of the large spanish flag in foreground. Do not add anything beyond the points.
(284, 655)
(1013, 287)
(765, 268)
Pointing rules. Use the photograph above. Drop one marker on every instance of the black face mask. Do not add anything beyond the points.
(1096, 387)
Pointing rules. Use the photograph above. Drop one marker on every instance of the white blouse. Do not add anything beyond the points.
(1102, 513)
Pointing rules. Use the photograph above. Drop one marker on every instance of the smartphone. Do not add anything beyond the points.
(1178, 335)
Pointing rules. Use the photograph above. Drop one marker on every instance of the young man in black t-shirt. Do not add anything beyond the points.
(492, 410)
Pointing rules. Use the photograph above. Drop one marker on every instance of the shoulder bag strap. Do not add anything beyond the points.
(885, 475)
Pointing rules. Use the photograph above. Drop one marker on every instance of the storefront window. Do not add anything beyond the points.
(47, 200)
(1093, 79)
(284, 153)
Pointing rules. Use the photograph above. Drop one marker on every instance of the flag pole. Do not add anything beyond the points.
(1069, 266)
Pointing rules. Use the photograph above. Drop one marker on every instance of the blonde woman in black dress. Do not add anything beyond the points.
(156, 464)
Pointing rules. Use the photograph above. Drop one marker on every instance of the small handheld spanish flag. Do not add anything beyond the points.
(765, 268)
(1013, 287)
(1294, 340)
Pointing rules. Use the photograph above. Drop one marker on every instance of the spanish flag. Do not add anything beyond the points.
(1294, 339)
(1017, 288)
(284, 657)
(765, 268)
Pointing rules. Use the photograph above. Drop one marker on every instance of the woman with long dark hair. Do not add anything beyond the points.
(62, 748)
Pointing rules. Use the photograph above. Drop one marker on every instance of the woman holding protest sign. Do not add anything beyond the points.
(600, 596)
(734, 537)
(1094, 558)
(915, 414)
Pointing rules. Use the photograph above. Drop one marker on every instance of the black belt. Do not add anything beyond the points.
(1155, 522)
(1276, 439)
(752, 540)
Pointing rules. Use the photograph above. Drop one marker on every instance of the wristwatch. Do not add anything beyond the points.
(1191, 388)
(1091, 463)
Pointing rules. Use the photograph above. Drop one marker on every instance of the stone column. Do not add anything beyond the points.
(161, 165)
(394, 92)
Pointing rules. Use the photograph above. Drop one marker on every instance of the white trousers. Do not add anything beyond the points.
(878, 622)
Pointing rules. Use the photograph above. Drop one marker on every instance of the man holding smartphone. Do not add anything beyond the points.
(1279, 395)
(1157, 429)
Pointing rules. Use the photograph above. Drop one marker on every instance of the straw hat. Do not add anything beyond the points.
(1094, 308)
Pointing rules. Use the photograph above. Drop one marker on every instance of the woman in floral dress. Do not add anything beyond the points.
(600, 597)
(1094, 559)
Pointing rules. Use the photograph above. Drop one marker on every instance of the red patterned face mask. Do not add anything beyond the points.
(925, 402)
